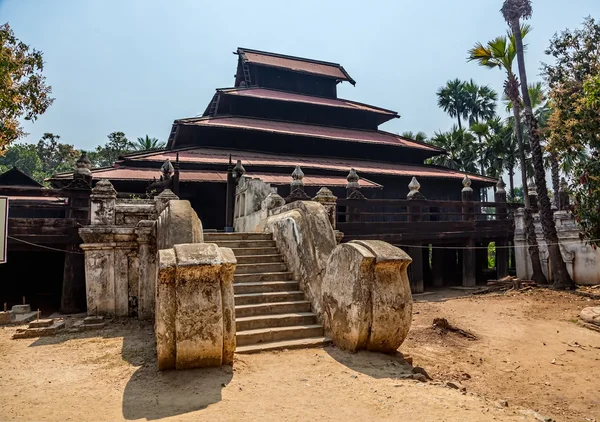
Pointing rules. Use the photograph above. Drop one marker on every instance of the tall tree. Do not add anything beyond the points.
(500, 53)
(574, 125)
(107, 154)
(23, 90)
(481, 107)
(453, 98)
(461, 148)
(513, 11)
(147, 143)
(56, 157)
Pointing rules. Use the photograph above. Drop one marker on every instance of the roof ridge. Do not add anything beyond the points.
(285, 56)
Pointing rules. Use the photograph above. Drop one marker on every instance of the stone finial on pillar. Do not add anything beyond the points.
(238, 170)
(500, 194)
(297, 187)
(414, 190)
(467, 184)
(533, 196)
(563, 195)
(329, 201)
(103, 198)
(353, 186)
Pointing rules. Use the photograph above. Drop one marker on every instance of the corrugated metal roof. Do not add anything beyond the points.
(128, 173)
(299, 98)
(299, 129)
(298, 64)
(249, 159)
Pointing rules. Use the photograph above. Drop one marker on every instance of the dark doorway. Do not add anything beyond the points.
(37, 275)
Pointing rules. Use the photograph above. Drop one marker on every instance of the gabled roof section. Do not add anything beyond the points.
(295, 64)
(306, 130)
(275, 95)
(15, 177)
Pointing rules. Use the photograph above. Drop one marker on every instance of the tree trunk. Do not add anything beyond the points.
(459, 122)
(511, 182)
(562, 279)
(536, 266)
(555, 170)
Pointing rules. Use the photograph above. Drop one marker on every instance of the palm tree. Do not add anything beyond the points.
(460, 147)
(148, 143)
(419, 136)
(500, 53)
(513, 11)
(454, 99)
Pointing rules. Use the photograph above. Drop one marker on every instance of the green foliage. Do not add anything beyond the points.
(107, 154)
(419, 136)
(147, 143)
(492, 255)
(461, 147)
(40, 160)
(574, 124)
(453, 98)
(23, 90)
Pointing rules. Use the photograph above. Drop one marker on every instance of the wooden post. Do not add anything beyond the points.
(353, 192)
(437, 262)
(230, 198)
(415, 270)
(469, 255)
(78, 192)
(416, 275)
(501, 244)
(175, 181)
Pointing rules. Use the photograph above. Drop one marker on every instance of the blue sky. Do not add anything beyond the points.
(136, 65)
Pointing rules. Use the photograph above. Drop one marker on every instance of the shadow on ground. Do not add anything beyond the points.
(151, 394)
(376, 365)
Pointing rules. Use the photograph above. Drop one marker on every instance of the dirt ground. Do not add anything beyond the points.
(529, 356)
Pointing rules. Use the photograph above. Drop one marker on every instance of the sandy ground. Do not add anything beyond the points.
(529, 352)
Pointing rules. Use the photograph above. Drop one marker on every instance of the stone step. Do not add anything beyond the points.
(268, 297)
(266, 286)
(305, 343)
(269, 267)
(258, 259)
(217, 237)
(278, 276)
(239, 252)
(278, 320)
(242, 311)
(267, 335)
(236, 244)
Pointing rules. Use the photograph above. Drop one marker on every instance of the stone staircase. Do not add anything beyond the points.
(271, 312)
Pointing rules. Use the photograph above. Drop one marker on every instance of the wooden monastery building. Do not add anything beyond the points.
(281, 112)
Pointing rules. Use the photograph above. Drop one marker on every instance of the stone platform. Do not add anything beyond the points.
(40, 328)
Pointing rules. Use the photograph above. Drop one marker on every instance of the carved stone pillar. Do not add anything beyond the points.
(533, 196)
(103, 199)
(502, 250)
(563, 195)
(329, 201)
(469, 255)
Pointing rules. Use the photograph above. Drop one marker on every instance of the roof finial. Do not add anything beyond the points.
(467, 184)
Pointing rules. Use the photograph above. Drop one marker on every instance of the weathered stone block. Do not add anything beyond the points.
(41, 323)
(5, 317)
(195, 317)
(21, 309)
(366, 296)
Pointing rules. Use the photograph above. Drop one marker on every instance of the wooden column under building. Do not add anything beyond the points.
(501, 244)
(416, 253)
(437, 263)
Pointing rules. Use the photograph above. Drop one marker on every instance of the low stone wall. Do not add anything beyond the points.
(195, 310)
(306, 239)
(367, 300)
(582, 260)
